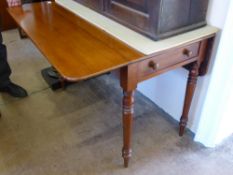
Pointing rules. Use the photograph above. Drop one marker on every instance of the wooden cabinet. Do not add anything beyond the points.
(94, 4)
(133, 13)
(154, 18)
(198, 10)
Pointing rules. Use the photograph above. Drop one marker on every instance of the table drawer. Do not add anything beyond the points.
(169, 58)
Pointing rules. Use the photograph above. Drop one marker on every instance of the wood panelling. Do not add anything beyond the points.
(79, 50)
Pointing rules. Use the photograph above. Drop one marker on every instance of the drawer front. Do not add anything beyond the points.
(170, 58)
(133, 13)
(93, 4)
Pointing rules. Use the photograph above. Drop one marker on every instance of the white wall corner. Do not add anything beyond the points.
(216, 122)
(167, 90)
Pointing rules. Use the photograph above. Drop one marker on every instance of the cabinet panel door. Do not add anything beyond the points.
(133, 13)
(198, 11)
(140, 5)
(174, 14)
(94, 4)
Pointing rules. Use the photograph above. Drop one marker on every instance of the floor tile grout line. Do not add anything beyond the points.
(17, 99)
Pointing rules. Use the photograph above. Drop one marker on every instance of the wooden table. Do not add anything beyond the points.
(84, 45)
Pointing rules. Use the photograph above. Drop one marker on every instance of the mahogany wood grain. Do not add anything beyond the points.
(206, 51)
(73, 46)
(128, 110)
(191, 85)
(128, 81)
(167, 59)
(6, 21)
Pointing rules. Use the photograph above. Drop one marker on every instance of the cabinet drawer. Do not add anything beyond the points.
(169, 58)
(93, 4)
(133, 13)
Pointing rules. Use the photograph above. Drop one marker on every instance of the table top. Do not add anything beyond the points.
(76, 48)
(80, 43)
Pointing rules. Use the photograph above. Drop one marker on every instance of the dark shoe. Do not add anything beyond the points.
(14, 90)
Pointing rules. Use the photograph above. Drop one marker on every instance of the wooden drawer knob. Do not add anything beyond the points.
(153, 65)
(187, 52)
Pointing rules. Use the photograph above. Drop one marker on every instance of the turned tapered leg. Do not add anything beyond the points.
(128, 110)
(191, 85)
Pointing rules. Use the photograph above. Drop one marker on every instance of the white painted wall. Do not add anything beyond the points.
(216, 118)
(167, 90)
